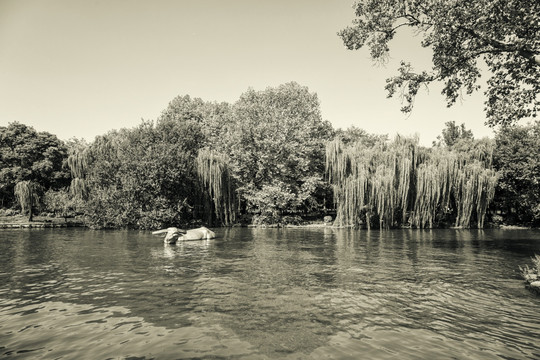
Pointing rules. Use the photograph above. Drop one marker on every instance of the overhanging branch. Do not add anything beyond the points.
(504, 47)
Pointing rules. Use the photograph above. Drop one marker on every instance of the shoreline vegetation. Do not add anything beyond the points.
(41, 221)
(268, 160)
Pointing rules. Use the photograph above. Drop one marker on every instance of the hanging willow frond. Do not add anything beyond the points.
(215, 175)
(26, 193)
(399, 183)
(79, 188)
(78, 165)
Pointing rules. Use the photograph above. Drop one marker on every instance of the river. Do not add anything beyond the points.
(268, 294)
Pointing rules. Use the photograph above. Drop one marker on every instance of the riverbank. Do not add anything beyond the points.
(322, 224)
(21, 222)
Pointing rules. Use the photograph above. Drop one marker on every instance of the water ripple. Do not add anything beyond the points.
(260, 294)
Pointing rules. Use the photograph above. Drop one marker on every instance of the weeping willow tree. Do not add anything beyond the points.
(453, 184)
(372, 182)
(78, 165)
(27, 195)
(216, 177)
(400, 183)
(474, 191)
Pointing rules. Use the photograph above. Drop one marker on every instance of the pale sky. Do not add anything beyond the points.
(79, 68)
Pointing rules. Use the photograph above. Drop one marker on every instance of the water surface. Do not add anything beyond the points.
(268, 294)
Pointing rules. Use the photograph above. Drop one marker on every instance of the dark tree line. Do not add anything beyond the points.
(270, 158)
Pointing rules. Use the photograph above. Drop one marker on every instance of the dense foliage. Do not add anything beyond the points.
(30, 156)
(452, 134)
(463, 35)
(399, 183)
(273, 152)
(270, 158)
(262, 157)
(143, 178)
(277, 149)
(517, 158)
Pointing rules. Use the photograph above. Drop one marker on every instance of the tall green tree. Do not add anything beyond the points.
(218, 201)
(503, 34)
(28, 155)
(276, 146)
(517, 158)
(271, 145)
(213, 117)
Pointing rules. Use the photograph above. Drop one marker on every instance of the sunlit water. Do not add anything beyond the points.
(268, 293)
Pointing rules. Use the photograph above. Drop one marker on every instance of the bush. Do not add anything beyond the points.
(291, 220)
(8, 212)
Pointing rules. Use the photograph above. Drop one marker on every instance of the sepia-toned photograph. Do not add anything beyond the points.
(269, 179)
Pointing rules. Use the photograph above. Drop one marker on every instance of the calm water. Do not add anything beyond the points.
(268, 293)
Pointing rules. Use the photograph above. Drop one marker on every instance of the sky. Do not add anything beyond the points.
(80, 68)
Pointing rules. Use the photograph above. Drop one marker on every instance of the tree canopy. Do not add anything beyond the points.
(141, 178)
(453, 133)
(517, 158)
(29, 155)
(204, 160)
(270, 158)
(276, 147)
(398, 183)
(503, 34)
